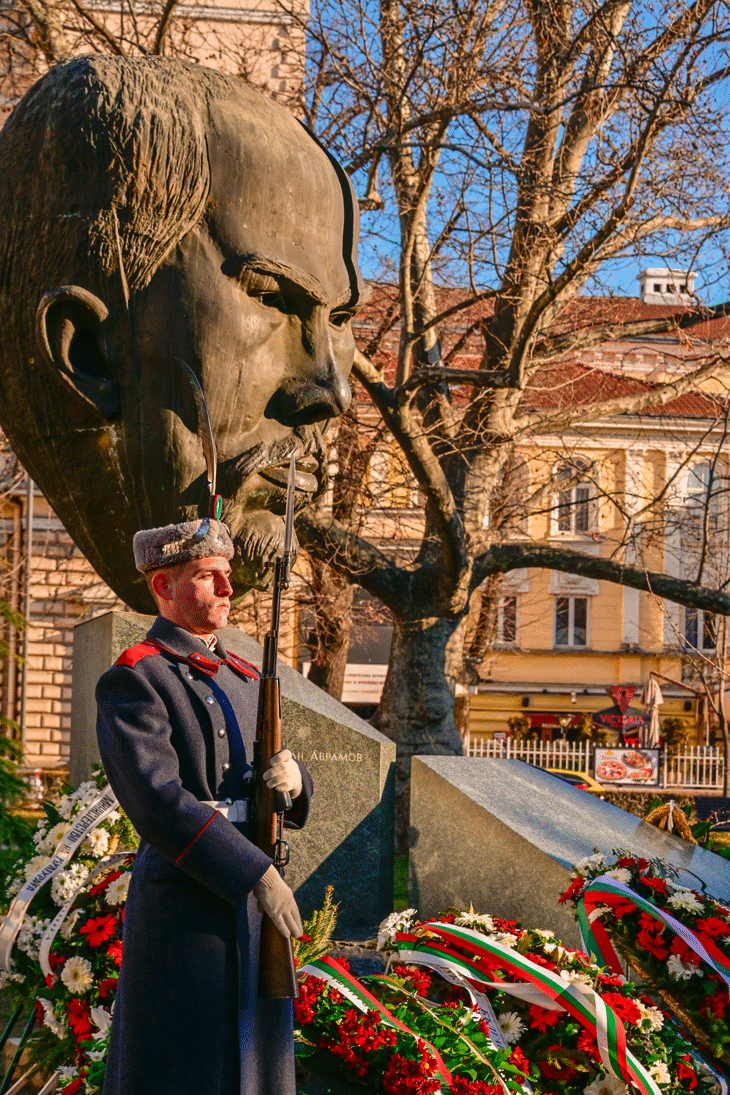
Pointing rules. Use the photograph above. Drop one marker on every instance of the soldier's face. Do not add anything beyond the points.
(196, 595)
(257, 300)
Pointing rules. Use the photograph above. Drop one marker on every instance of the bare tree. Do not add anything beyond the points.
(513, 149)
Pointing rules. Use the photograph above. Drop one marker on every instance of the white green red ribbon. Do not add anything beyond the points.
(580, 1002)
(78, 829)
(596, 939)
(330, 970)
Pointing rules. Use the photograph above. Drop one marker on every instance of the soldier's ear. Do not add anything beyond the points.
(68, 331)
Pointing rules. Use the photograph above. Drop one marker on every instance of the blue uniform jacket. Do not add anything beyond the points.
(186, 1017)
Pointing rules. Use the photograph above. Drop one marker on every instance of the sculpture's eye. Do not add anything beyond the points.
(272, 300)
(340, 318)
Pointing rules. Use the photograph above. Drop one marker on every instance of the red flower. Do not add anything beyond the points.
(101, 886)
(680, 948)
(518, 1059)
(99, 928)
(557, 1070)
(717, 1004)
(587, 1044)
(620, 906)
(624, 1007)
(542, 1018)
(610, 981)
(685, 1072)
(511, 926)
(412, 1077)
(114, 950)
(650, 936)
(461, 1086)
(711, 926)
(310, 990)
(416, 979)
(55, 960)
(78, 1018)
(109, 984)
(539, 960)
(573, 890)
(657, 884)
(74, 1087)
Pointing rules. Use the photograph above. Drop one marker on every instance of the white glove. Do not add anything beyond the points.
(277, 901)
(284, 774)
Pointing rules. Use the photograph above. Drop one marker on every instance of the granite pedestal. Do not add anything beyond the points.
(504, 835)
(348, 841)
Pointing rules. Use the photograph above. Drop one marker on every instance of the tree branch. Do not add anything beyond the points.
(501, 558)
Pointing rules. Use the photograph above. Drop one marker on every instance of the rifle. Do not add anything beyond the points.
(277, 976)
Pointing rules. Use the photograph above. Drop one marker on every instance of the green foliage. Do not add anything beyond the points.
(676, 733)
(16, 833)
(519, 727)
(318, 931)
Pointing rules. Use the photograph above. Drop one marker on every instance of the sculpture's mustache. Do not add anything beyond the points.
(305, 441)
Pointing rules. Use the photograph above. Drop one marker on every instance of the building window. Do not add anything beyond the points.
(574, 502)
(700, 630)
(571, 621)
(507, 621)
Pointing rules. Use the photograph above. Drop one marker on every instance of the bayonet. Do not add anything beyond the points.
(205, 433)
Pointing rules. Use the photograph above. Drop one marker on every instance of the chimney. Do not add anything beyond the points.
(662, 285)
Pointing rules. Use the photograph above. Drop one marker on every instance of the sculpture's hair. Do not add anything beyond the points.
(101, 153)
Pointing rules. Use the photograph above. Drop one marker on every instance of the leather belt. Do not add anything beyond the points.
(236, 810)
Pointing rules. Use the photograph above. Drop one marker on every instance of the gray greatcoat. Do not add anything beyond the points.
(187, 1020)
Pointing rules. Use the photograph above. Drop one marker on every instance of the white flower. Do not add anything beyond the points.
(511, 1026)
(40, 834)
(660, 1073)
(468, 918)
(620, 874)
(102, 1019)
(96, 843)
(590, 863)
(14, 887)
(57, 1027)
(97, 1054)
(69, 924)
(77, 974)
(598, 912)
(684, 899)
(654, 1016)
(66, 883)
(397, 921)
(33, 864)
(67, 1072)
(52, 838)
(505, 938)
(116, 893)
(575, 977)
(8, 976)
(606, 1085)
(681, 970)
(113, 816)
(560, 952)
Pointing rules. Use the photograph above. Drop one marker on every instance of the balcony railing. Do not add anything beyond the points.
(698, 768)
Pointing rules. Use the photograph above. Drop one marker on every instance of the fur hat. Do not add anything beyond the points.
(172, 545)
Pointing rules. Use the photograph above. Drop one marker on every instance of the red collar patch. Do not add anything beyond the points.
(242, 667)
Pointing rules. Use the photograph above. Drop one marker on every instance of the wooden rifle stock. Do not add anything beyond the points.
(277, 975)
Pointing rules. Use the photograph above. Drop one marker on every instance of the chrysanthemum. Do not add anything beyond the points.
(77, 975)
(511, 1026)
(620, 874)
(49, 1018)
(660, 1073)
(606, 1085)
(116, 893)
(681, 970)
(685, 899)
(96, 843)
(393, 923)
(654, 1016)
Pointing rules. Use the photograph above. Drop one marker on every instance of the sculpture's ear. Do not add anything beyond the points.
(68, 330)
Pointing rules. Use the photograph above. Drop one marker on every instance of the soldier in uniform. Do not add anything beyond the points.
(176, 725)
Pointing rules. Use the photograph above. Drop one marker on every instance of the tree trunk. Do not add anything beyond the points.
(329, 637)
(417, 706)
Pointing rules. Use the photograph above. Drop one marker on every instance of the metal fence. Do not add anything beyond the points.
(698, 768)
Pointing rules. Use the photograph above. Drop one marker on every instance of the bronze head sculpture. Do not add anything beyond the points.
(151, 211)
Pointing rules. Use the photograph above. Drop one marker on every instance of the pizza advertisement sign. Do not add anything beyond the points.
(628, 767)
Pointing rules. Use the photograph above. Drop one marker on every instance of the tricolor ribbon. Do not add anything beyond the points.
(595, 937)
(330, 970)
(580, 1002)
(78, 829)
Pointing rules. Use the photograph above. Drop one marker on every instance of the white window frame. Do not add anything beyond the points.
(571, 643)
(501, 640)
(699, 615)
(581, 500)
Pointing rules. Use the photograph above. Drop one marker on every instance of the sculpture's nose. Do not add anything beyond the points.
(316, 388)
